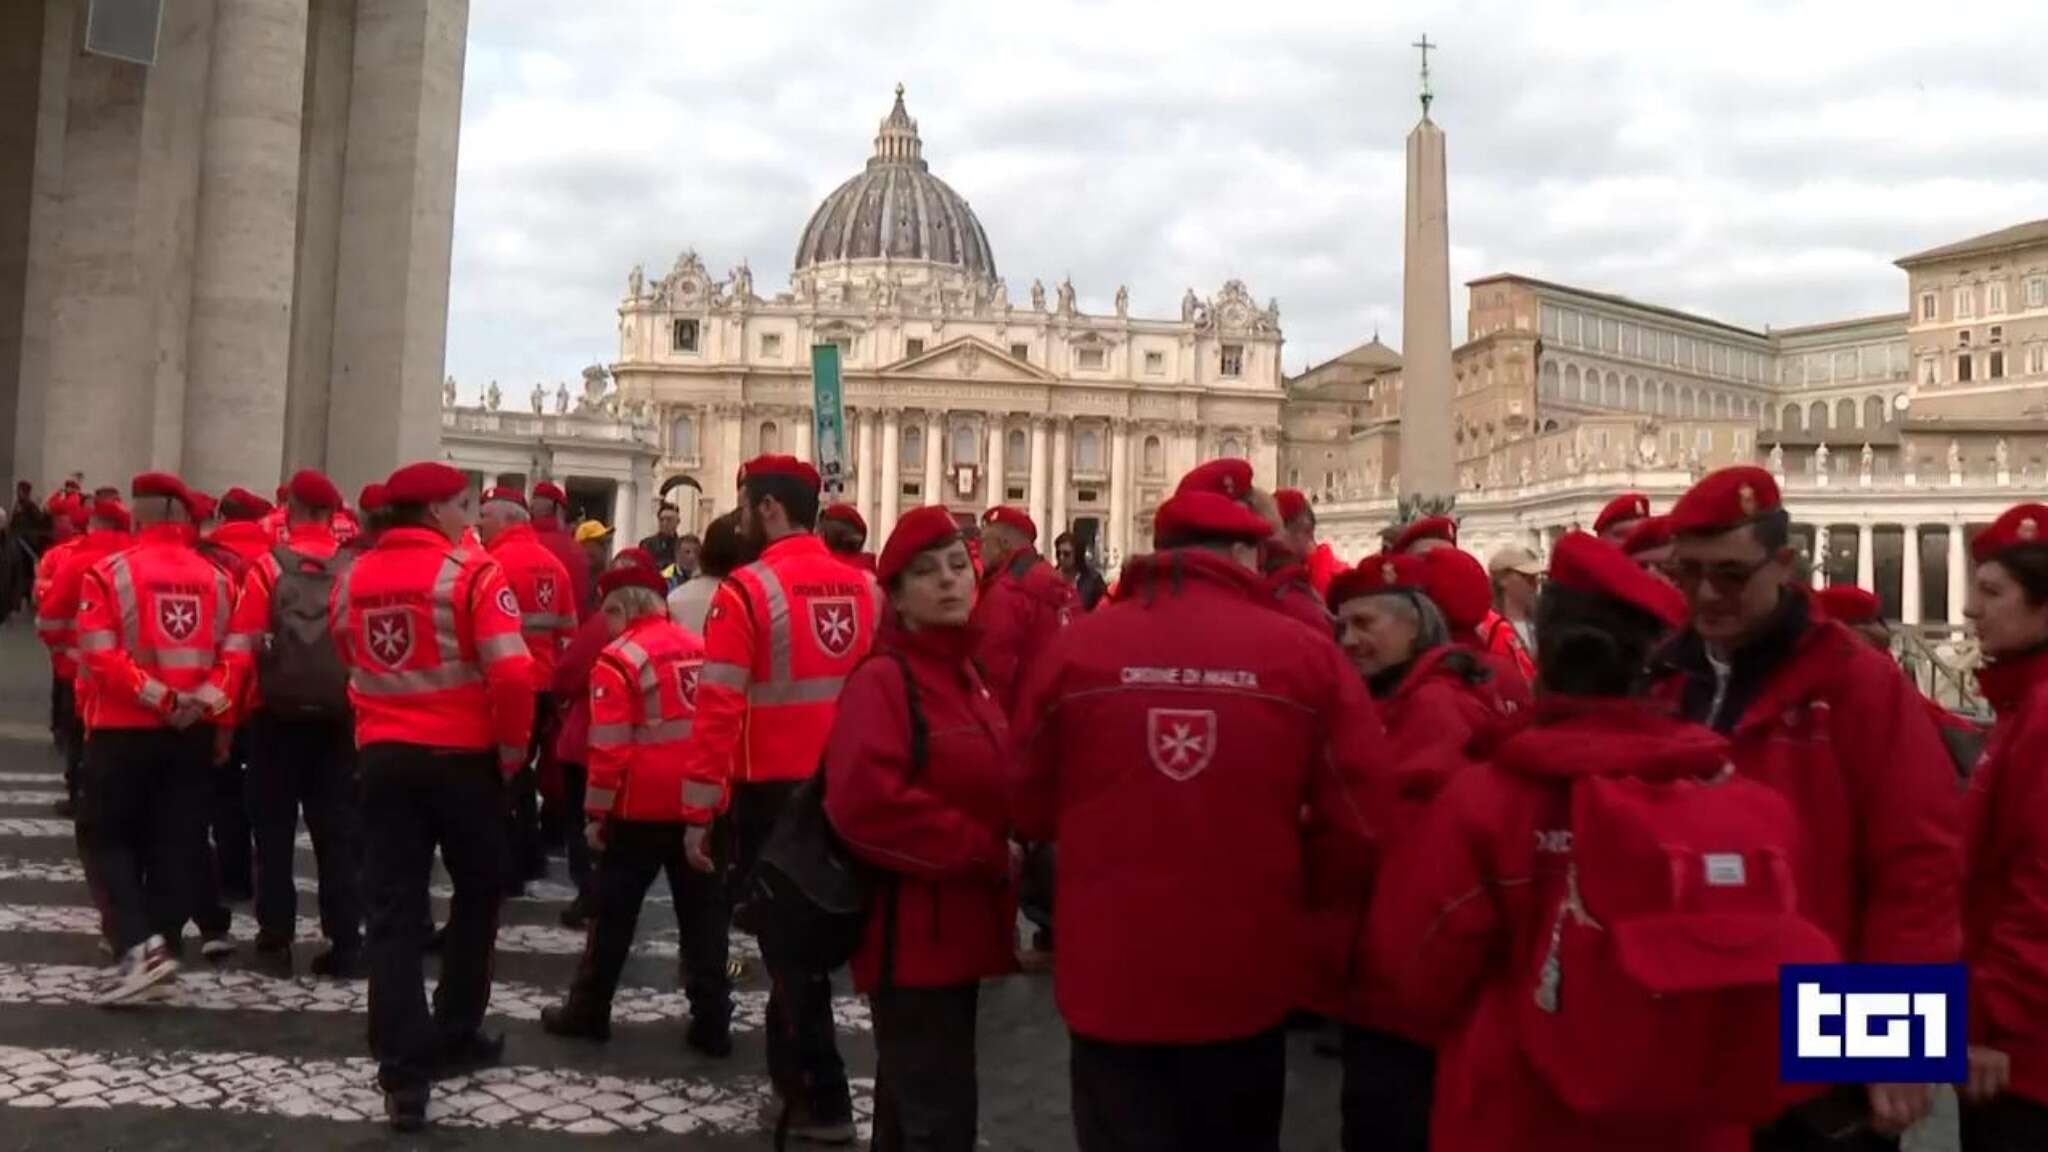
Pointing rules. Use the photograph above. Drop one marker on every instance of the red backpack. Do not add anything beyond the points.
(1653, 989)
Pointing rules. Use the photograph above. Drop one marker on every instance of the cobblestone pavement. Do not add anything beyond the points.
(229, 1058)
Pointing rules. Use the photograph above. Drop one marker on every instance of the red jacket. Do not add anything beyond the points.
(2005, 910)
(944, 835)
(1498, 633)
(1840, 731)
(542, 586)
(247, 539)
(1290, 591)
(1459, 923)
(1447, 698)
(251, 621)
(151, 620)
(1514, 686)
(782, 635)
(1022, 606)
(572, 688)
(1169, 743)
(557, 540)
(643, 698)
(57, 602)
(47, 566)
(430, 635)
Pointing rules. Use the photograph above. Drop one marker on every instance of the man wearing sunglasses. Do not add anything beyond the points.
(1813, 711)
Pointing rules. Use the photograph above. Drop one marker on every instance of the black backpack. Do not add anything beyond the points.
(808, 899)
(298, 670)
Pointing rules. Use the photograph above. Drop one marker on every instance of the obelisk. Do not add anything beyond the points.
(1428, 462)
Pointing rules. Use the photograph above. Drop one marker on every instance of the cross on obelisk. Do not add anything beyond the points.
(1425, 45)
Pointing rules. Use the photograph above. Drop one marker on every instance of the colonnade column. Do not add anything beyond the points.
(998, 435)
(1119, 490)
(1909, 575)
(934, 457)
(1958, 573)
(1040, 467)
(1866, 557)
(803, 435)
(892, 481)
(1820, 556)
(865, 468)
(1050, 528)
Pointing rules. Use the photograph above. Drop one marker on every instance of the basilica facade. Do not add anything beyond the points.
(957, 391)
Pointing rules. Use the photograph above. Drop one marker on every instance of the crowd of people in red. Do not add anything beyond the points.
(1535, 835)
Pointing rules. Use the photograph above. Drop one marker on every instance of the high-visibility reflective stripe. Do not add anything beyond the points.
(153, 693)
(183, 658)
(778, 620)
(415, 681)
(97, 641)
(444, 610)
(666, 732)
(501, 647)
(223, 605)
(701, 794)
(340, 612)
(606, 735)
(644, 676)
(543, 622)
(211, 696)
(724, 675)
(599, 799)
(55, 623)
(815, 691)
(238, 642)
(124, 595)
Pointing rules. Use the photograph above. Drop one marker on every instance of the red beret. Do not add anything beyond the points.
(283, 490)
(845, 514)
(1652, 533)
(1457, 582)
(428, 482)
(373, 498)
(918, 530)
(1377, 573)
(508, 495)
(1291, 502)
(1724, 500)
(1204, 513)
(2019, 524)
(1625, 507)
(1589, 564)
(165, 486)
(547, 490)
(314, 489)
(1230, 476)
(240, 503)
(1428, 528)
(635, 557)
(779, 466)
(203, 506)
(631, 576)
(1009, 517)
(77, 514)
(1849, 604)
(113, 514)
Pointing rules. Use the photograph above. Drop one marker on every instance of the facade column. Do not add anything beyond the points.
(865, 468)
(1866, 557)
(934, 457)
(624, 518)
(1119, 491)
(892, 481)
(732, 450)
(1820, 556)
(1958, 573)
(804, 429)
(1909, 575)
(1040, 467)
(998, 433)
(1049, 529)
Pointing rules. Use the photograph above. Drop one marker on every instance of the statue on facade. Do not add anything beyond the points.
(1820, 459)
(1777, 459)
(1523, 472)
(2001, 456)
(1187, 307)
(1037, 296)
(1955, 456)
(743, 283)
(636, 282)
(493, 397)
(561, 399)
(539, 398)
(594, 382)
(1123, 301)
(1002, 295)
(885, 293)
(1066, 297)
(1868, 461)
(448, 392)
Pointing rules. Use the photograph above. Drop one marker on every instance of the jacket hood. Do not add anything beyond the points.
(1569, 737)
(1167, 571)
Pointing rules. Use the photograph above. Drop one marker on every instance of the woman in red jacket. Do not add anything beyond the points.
(2005, 908)
(1433, 697)
(914, 784)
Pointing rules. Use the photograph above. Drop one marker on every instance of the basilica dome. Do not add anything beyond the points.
(896, 209)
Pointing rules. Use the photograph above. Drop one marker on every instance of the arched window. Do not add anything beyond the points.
(1610, 395)
(1845, 414)
(1873, 412)
(771, 437)
(1817, 417)
(1662, 400)
(913, 442)
(966, 445)
(1632, 394)
(1574, 385)
(682, 437)
(1016, 453)
(1155, 456)
(1551, 385)
(1087, 449)
(1231, 448)
(1790, 419)
(1688, 404)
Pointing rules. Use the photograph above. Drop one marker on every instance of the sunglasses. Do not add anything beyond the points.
(1724, 579)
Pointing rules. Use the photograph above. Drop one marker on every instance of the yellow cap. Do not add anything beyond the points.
(590, 530)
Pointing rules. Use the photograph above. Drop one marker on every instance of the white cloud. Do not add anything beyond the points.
(1760, 161)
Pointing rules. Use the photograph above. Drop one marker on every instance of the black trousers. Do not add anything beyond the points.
(305, 766)
(574, 784)
(1838, 1121)
(803, 1051)
(927, 1097)
(2006, 1123)
(529, 858)
(634, 853)
(1389, 1084)
(144, 790)
(1219, 1097)
(415, 799)
(68, 731)
(228, 814)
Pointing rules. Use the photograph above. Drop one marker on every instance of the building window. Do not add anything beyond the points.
(913, 347)
(913, 442)
(1021, 352)
(771, 438)
(1994, 298)
(1155, 363)
(682, 336)
(1155, 456)
(1997, 365)
(1089, 359)
(682, 438)
(2036, 355)
(1997, 334)
(1930, 371)
(1704, 441)
(1013, 494)
(1927, 306)
(771, 344)
(1741, 444)
(2037, 292)
(966, 445)
(1087, 449)
(1963, 368)
(1963, 338)
(1233, 360)
(1016, 453)
(1966, 303)
(1231, 448)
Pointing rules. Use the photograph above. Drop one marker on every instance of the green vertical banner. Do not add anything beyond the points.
(828, 421)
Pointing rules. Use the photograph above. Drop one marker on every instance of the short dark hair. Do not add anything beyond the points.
(1066, 538)
(723, 549)
(667, 507)
(2028, 566)
(842, 537)
(407, 515)
(1593, 645)
(1772, 530)
(1205, 540)
(688, 538)
(798, 499)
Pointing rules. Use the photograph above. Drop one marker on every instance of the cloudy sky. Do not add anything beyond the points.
(1760, 162)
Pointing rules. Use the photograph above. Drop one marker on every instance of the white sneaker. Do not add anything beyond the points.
(143, 968)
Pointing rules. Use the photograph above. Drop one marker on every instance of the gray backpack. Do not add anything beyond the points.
(299, 672)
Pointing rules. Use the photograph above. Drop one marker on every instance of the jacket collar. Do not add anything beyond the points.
(410, 536)
(1567, 737)
(1765, 674)
(176, 535)
(1015, 565)
(1173, 569)
(314, 532)
(943, 645)
(642, 624)
(796, 544)
(1443, 662)
(2007, 682)
(513, 535)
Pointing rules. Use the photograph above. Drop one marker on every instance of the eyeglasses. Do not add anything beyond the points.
(1724, 579)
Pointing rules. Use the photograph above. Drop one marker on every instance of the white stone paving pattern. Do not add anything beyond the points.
(23, 798)
(51, 871)
(31, 777)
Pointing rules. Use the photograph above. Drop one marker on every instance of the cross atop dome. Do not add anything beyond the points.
(897, 141)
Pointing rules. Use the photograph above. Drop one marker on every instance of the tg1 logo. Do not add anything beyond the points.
(1872, 1023)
